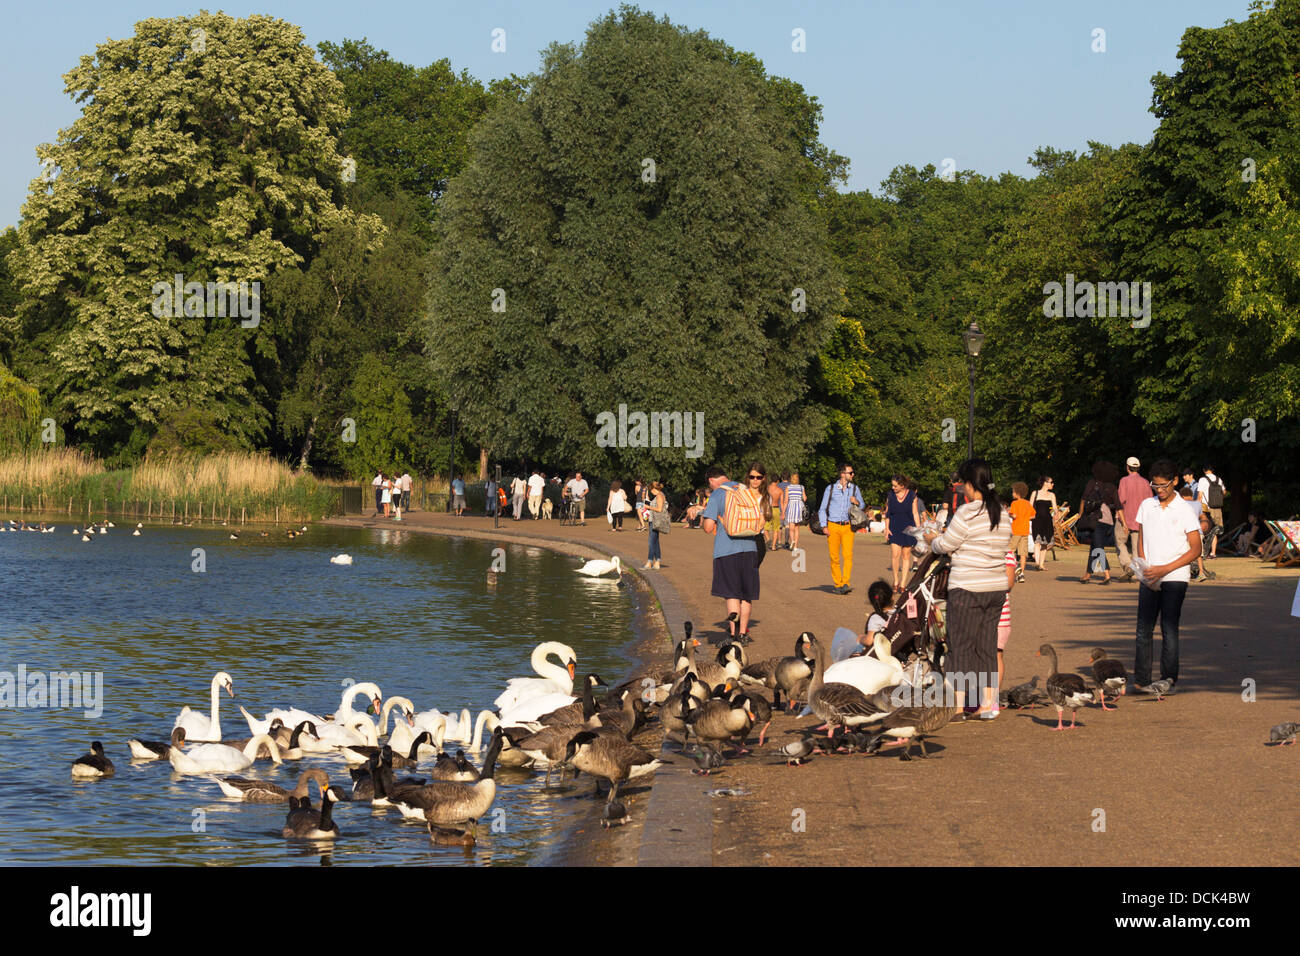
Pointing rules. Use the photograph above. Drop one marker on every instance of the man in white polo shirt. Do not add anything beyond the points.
(1170, 542)
(536, 485)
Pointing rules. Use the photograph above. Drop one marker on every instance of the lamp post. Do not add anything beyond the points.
(496, 509)
(451, 460)
(973, 340)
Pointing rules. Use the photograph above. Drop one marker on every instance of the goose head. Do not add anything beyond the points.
(802, 643)
(306, 777)
(1098, 654)
(576, 743)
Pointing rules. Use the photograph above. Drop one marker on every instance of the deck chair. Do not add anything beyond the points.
(1288, 533)
(1065, 537)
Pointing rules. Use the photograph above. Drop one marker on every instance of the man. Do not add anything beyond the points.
(834, 515)
(536, 485)
(406, 490)
(956, 497)
(518, 491)
(1133, 490)
(1189, 479)
(490, 493)
(1170, 541)
(1210, 492)
(458, 496)
(577, 490)
(735, 560)
(378, 485)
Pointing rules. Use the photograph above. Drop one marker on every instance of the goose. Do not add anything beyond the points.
(608, 758)
(363, 780)
(1109, 674)
(718, 721)
(596, 567)
(577, 712)
(263, 791)
(456, 768)
(154, 750)
(725, 667)
(868, 674)
(762, 714)
(548, 746)
(304, 823)
(916, 722)
(623, 719)
(341, 559)
(200, 729)
(292, 716)
(207, 758)
(1284, 734)
(673, 717)
(444, 803)
(290, 741)
(233, 536)
(93, 764)
(85, 537)
(1065, 690)
(780, 674)
(837, 703)
(356, 754)
(511, 756)
(139, 525)
(552, 679)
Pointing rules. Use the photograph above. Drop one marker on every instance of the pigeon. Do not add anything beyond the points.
(1023, 695)
(1284, 734)
(615, 814)
(707, 761)
(1160, 688)
(798, 752)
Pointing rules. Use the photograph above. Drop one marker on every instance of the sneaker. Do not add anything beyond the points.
(847, 589)
(838, 589)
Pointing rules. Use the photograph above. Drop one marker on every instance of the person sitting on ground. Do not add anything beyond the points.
(1250, 536)
(881, 596)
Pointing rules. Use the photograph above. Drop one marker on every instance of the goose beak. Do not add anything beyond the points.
(695, 642)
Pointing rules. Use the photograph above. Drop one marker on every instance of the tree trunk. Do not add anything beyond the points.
(306, 445)
(482, 463)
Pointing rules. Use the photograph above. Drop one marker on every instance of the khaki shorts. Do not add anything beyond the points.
(1216, 517)
(1019, 544)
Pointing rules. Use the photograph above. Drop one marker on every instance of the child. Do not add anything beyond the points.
(1022, 515)
(1004, 624)
(881, 596)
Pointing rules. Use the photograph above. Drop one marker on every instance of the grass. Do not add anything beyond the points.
(256, 486)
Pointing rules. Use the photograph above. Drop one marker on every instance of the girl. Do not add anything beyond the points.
(658, 503)
(616, 505)
(794, 508)
(639, 498)
(1004, 626)
(882, 599)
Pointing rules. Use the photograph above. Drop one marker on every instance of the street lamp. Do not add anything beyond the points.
(973, 340)
(451, 459)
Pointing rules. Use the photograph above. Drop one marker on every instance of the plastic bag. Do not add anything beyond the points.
(1139, 566)
(922, 547)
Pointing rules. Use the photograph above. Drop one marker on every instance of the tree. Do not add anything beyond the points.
(205, 148)
(641, 219)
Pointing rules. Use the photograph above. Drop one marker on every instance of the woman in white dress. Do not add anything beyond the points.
(616, 505)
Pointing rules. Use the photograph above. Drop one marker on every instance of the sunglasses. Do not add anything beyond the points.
(757, 477)
(1161, 484)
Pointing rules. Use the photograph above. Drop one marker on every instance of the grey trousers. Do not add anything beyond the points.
(973, 639)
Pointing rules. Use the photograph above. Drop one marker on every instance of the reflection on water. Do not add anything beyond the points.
(416, 614)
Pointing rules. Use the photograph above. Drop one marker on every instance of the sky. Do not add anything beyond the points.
(978, 83)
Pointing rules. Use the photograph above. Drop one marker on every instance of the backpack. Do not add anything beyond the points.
(742, 515)
(1091, 509)
(1214, 497)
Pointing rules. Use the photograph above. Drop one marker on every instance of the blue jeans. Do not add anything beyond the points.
(654, 554)
(1103, 537)
(1168, 604)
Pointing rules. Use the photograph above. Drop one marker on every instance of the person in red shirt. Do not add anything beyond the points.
(956, 496)
(1133, 490)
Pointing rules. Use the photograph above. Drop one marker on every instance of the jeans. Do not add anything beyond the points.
(654, 554)
(1168, 604)
(379, 500)
(1103, 536)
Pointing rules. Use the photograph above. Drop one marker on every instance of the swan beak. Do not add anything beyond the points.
(378, 704)
(410, 719)
(231, 689)
(571, 668)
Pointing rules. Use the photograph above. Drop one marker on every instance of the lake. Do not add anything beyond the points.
(415, 614)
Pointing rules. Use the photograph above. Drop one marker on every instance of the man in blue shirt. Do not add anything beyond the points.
(735, 560)
(458, 496)
(490, 490)
(834, 515)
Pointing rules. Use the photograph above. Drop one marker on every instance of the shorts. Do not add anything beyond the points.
(458, 502)
(1004, 634)
(774, 523)
(1019, 545)
(735, 576)
(1216, 518)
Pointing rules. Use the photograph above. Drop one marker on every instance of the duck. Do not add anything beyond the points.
(304, 823)
(207, 758)
(341, 559)
(200, 729)
(153, 749)
(916, 722)
(1109, 674)
(263, 791)
(781, 674)
(598, 566)
(1064, 690)
(444, 803)
(868, 674)
(552, 680)
(838, 703)
(614, 759)
(93, 764)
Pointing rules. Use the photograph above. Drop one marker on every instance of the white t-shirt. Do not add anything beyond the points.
(578, 488)
(406, 482)
(535, 484)
(379, 480)
(1164, 533)
(876, 623)
(1203, 489)
(518, 486)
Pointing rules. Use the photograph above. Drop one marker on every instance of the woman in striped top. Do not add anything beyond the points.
(977, 538)
(794, 498)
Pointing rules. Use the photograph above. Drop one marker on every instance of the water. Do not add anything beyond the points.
(415, 613)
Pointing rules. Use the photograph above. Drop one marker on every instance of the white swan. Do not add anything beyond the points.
(359, 731)
(199, 728)
(408, 712)
(207, 758)
(868, 674)
(553, 680)
(341, 559)
(528, 710)
(293, 716)
(597, 566)
(404, 736)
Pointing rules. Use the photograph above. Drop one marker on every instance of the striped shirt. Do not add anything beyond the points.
(1005, 620)
(978, 552)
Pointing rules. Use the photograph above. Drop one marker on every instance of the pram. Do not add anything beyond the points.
(925, 631)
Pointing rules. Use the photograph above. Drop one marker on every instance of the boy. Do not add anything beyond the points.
(1022, 514)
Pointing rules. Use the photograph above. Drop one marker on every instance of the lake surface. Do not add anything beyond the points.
(415, 614)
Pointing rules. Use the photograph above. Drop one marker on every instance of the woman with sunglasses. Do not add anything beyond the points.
(735, 560)
(1043, 527)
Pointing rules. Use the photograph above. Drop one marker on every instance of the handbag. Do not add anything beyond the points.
(660, 521)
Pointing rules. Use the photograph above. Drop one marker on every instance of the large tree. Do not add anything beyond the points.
(642, 212)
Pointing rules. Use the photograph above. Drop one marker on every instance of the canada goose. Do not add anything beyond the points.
(609, 758)
(725, 667)
(263, 791)
(598, 566)
(1284, 734)
(577, 712)
(206, 758)
(304, 823)
(360, 754)
(835, 703)
(154, 750)
(456, 768)
(290, 741)
(916, 722)
(672, 718)
(444, 803)
(1109, 674)
(623, 719)
(762, 714)
(363, 780)
(718, 721)
(552, 680)
(200, 729)
(93, 764)
(511, 755)
(1065, 690)
(780, 674)
(85, 537)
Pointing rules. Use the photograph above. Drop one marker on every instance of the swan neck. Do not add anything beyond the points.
(483, 715)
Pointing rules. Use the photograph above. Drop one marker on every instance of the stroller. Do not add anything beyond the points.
(925, 632)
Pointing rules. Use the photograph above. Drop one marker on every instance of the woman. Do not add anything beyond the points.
(1101, 488)
(1043, 527)
(387, 497)
(977, 538)
(639, 497)
(775, 509)
(658, 504)
(901, 512)
(616, 505)
(794, 507)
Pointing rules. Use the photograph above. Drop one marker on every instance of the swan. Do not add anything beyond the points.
(405, 735)
(596, 567)
(341, 559)
(293, 716)
(209, 758)
(868, 674)
(358, 732)
(553, 680)
(198, 728)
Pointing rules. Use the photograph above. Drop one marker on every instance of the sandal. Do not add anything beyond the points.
(1084, 580)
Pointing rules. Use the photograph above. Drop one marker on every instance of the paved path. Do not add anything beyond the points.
(1186, 781)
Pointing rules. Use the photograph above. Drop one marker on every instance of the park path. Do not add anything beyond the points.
(1185, 781)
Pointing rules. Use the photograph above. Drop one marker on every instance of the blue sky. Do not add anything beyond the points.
(982, 83)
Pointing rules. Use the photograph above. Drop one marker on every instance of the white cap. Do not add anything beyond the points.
(1133, 462)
